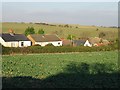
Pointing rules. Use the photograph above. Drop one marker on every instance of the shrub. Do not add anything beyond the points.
(41, 31)
(50, 44)
(36, 45)
(29, 30)
(52, 49)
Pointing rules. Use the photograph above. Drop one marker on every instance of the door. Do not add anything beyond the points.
(22, 44)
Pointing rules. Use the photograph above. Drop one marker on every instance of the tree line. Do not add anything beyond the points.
(31, 30)
(104, 35)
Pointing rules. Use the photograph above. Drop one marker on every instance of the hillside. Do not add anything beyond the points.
(63, 30)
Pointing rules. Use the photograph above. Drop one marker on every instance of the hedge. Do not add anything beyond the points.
(53, 49)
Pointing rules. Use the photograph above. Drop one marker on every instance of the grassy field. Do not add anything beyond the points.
(81, 31)
(85, 69)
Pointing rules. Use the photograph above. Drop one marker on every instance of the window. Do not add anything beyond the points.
(22, 43)
(59, 43)
(12, 44)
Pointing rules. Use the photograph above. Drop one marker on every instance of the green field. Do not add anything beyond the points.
(84, 69)
(63, 32)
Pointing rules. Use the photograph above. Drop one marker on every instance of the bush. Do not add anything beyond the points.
(29, 30)
(52, 49)
(50, 44)
(41, 31)
(36, 45)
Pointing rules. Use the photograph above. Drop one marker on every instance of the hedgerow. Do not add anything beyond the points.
(53, 49)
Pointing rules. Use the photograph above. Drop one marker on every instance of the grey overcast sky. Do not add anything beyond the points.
(83, 13)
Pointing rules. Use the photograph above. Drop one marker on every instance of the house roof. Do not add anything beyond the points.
(79, 42)
(105, 42)
(13, 37)
(44, 38)
(66, 42)
(94, 40)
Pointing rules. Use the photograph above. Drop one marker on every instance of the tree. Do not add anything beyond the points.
(41, 31)
(70, 37)
(97, 29)
(29, 30)
(66, 25)
(76, 27)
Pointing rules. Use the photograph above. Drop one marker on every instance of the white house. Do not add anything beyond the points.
(87, 43)
(14, 40)
(43, 40)
(96, 41)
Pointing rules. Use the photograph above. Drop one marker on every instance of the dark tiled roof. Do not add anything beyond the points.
(44, 38)
(16, 37)
(79, 42)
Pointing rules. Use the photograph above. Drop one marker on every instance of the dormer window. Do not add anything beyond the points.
(12, 34)
(43, 36)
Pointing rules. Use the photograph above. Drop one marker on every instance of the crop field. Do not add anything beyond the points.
(84, 69)
(63, 32)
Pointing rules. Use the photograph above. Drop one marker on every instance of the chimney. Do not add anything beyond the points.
(11, 32)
